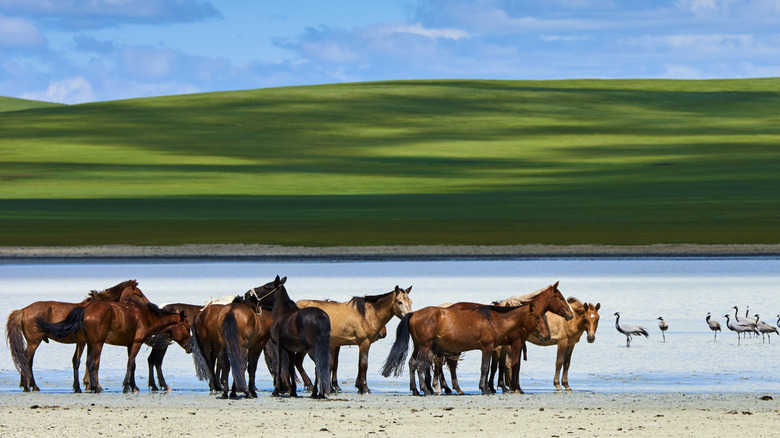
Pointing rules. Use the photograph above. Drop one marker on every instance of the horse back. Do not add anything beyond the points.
(347, 325)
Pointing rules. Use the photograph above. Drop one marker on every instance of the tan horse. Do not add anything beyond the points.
(360, 321)
(564, 334)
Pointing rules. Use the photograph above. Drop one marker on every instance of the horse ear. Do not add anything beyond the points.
(556, 284)
(598, 306)
(283, 280)
(408, 290)
(397, 289)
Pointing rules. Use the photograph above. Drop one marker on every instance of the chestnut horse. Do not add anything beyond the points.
(160, 342)
(359, 321)
(298, 330)
(126, 324)
(208, 344)
(24, 337)
(564, 334)
(480, 328)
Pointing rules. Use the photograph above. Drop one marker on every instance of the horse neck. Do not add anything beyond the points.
(282, 303)
(382, 309)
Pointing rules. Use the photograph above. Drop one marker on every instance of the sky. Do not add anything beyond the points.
(76, 51)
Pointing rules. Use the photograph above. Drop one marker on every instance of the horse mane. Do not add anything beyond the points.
(522, 299)
(112, 293)
(227, 299)
(360, 302)
(574, 302)
(489, 310)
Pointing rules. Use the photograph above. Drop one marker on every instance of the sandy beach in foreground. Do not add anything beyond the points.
(569, 414)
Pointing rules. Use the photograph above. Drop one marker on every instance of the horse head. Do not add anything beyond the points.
(132, 292)
(591, 320)
(537, 325)
(402, 304)
(557, 303)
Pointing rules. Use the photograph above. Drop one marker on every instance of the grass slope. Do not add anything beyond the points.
(411, 162)
(14, 104)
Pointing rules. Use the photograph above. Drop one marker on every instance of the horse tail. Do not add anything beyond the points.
(394, 364)
(322, 355)
(17, 344)
(234, 352)
(59, 330)
(202, 369)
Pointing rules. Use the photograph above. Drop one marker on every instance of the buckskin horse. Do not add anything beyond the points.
(359, 321)
(126, 324)
(455, 330)
(24, 337)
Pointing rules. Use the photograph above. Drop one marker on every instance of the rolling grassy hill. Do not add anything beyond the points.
(409, 162)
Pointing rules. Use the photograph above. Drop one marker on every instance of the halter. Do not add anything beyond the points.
(254, 291)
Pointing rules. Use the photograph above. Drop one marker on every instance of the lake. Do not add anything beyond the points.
(682, 290)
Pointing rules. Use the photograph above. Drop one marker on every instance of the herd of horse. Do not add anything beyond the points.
(226, 339)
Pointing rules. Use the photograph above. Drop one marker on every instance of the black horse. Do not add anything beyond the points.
(298, 330)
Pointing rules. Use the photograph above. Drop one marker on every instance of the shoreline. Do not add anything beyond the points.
(349, 414)
(242, 252)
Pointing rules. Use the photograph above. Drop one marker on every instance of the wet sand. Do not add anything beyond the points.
(352, 415)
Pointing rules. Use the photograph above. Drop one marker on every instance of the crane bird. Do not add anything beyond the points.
(740, 327)
(745, 319)
(765, 329)
(663, 325)
(714, 326)
(629, 330)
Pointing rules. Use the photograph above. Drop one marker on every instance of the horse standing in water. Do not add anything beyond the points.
(160, 342)
(208, 333)
(24, 337)
(298, 330)
(103, 322)
(359, 321)
(565, 335)
(455, 330)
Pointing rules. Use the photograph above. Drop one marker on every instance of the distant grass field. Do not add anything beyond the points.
(409, 162)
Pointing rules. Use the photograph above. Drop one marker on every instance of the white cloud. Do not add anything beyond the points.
(418, 29)
(16, 33)
(71, 91)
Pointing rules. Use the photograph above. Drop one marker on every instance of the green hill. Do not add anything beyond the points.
(14, 104)
(409, 162)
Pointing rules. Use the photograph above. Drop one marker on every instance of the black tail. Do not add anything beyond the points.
(394, 364)
(59, 330)
(202, 369)
(235, 353)
(322, 355)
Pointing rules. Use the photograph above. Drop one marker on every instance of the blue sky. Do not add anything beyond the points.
(75, 51)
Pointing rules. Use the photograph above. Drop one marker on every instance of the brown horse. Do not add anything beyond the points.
(161, 341)
(126, 324)
(482, 328)
(359, 321)
(24, 337)
(209, 339)
(298, 330)
(564, 334)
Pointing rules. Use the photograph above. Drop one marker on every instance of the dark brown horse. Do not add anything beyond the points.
(24, 337)
(126, 324)
(247, 333)
(359, 321)
(160, 342)
(482, 328)
(298, 330)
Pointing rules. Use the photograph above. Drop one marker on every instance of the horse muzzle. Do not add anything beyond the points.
(591, 338)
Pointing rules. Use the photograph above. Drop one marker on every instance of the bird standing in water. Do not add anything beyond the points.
(663, 325)
(629, 330)
(714, 326)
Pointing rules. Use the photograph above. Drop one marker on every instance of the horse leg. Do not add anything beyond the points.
(158, 365)
(412, 371)
(76, 364)
(299, 357)
(254, 358)
(424, 370)
(566, 363)
(290, 371)
(494, 357)
(150, 361)
(128, 385)
(361, 383)
(224, 366)
(30, 354)
(452, 364)
(93, 365)
(334, 365)
(484, 369)
(517, 350)
(560, 360)
(503, 375)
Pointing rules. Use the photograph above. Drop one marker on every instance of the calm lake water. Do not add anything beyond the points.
(680, 290)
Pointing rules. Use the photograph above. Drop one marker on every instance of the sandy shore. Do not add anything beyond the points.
(347, 415)
(271, 252)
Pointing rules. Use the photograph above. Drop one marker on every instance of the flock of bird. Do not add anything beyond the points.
(741, 325)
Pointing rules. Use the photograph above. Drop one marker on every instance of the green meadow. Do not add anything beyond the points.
(407, 162)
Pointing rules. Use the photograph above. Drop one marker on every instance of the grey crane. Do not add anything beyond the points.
(715, 325)
(663, 325)
(740, 327)
(765, 329)
(629, 330)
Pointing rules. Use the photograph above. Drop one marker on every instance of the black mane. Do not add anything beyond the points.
(360, 302)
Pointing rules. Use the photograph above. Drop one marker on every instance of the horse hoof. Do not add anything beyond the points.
(153, 388)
